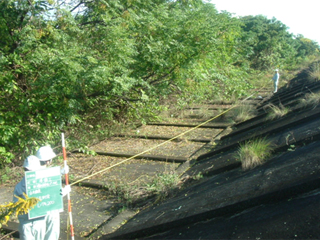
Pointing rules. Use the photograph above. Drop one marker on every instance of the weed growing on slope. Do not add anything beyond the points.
(242, 113)
(163, 183)
(254, 152)
(314, 72)
(310, 99)
(160, 185)
(277, 111)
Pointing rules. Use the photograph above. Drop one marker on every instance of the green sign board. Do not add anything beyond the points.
(44, 184)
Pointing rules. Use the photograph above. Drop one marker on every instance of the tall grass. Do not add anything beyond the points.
(277, 111)
(254, 152)
(242, 113)
(164, 183)
(310, 99)
(160, 185)
(314, 72)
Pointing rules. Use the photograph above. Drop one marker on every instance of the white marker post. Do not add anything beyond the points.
(67, 183)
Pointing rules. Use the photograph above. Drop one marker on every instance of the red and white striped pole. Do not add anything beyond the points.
(67, 183)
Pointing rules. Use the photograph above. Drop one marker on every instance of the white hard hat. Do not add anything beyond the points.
(32, 163)
(277, 70)
(45, 153)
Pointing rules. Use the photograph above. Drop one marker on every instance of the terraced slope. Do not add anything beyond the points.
(216, 198)
(132, 170)
(277, 200)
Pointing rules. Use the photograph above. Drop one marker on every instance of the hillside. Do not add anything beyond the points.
(279, 199)
(120, 193)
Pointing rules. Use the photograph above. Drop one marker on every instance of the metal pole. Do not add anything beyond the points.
(67, 183)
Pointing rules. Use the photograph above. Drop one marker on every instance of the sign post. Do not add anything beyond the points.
(46, 185)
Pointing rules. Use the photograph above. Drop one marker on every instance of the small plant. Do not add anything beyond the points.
(254, 152)
(198, 176)
(243, 112)
(164, 183)
(122, 191)
(311, 99)
(314, 72)
(277, 112)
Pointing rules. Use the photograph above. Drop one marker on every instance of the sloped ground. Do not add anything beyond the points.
(113, 188)
(227, 202)
(279, 181)
(277, 200)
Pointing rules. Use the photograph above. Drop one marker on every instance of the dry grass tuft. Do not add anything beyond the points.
(254, 152)
(277, 111)
(310, 99)
(242, 113)
(314, 72)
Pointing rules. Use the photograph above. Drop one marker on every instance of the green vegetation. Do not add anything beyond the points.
(268, 43)
(161, 185)
(12, 175)
(314, 71)
(90, 68)
(254, 152)
(310, 99)
(242, 113)
(164, 183)
(277, 111)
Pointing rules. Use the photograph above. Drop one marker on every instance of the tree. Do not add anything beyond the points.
(270, 43)
(90, 61)
(307, 47)
(80, 65)
(21, 28)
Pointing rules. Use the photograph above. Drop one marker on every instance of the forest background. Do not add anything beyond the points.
(91, 67)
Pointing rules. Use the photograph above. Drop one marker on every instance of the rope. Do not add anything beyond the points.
(181, 134)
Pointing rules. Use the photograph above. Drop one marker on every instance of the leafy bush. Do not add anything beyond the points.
(109, 65)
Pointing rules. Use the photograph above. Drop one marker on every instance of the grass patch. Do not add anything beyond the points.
(314, 72)
(242, 113)
(254, 153)
(160, 185)
(310, 99)
(163, 183)
(277, 111)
